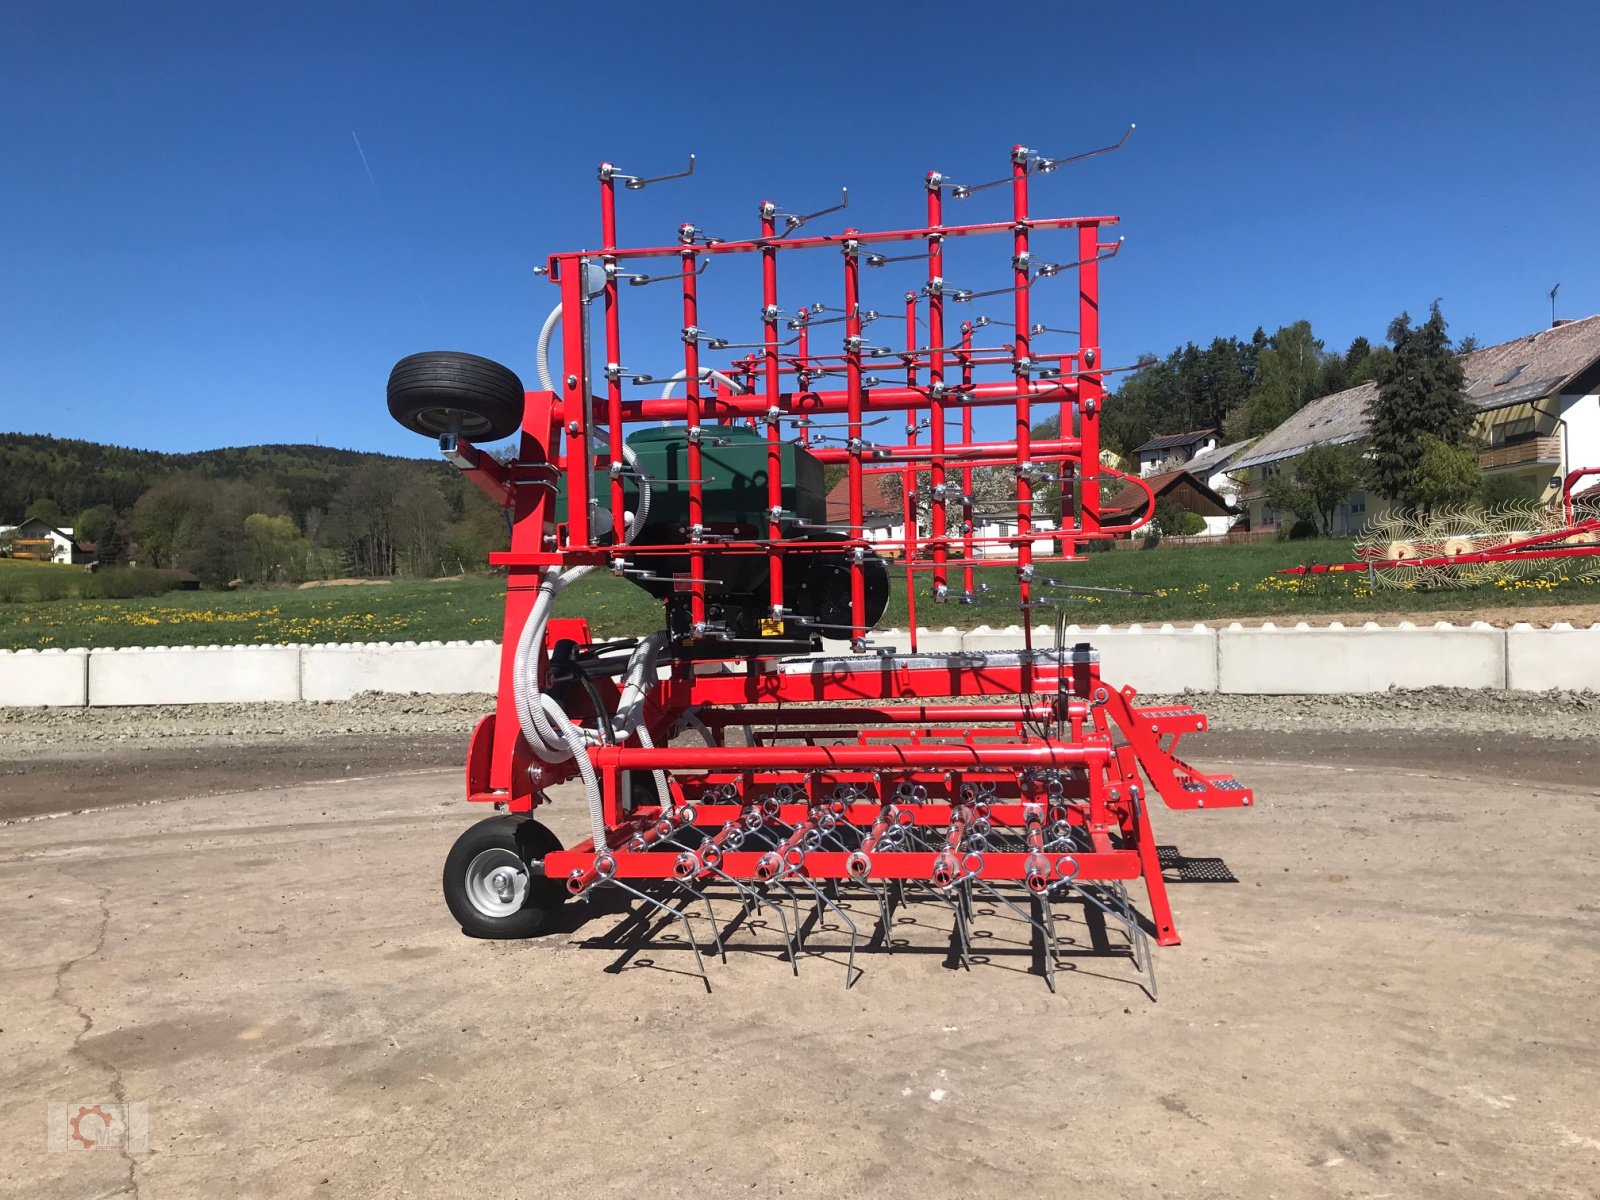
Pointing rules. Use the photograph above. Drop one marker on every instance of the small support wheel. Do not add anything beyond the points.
(444, 391)
(490, 882)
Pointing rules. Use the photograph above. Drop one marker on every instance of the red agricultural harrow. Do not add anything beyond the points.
(728, 754)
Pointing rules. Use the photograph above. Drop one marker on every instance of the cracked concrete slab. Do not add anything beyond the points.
(1396, 996)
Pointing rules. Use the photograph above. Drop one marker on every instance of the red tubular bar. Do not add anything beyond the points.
(608, 235)
(832, 240)
(1021, 270)
(695, 464)
(878, 399)
(772, 376)
(835, 864)
(852, 358)
(936, 385)
(638, 758)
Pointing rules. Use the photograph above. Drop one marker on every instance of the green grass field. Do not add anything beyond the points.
(1205, 584)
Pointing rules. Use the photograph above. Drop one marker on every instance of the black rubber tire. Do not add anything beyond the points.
(438, 390)
(529, 841)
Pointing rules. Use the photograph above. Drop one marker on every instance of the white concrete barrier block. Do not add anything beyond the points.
(986, 638)
(194, 675)
(44, 678)
(1164, 660)
(1159, 660)
(929, 641)
(1270, 661)
(434, 668)
(1559, 657)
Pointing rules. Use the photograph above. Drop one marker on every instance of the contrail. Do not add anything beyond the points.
(364, 163)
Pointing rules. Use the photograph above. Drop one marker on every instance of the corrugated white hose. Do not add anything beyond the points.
(733, 385)
(547, 380)
(545, 724)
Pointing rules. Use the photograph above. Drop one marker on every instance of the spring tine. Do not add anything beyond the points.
(822, 899)
(1046, 165)
(793, 221)
(799, 934)
(1052, 942)
(761, 902)
(711, 916)
(678, 914)
(636, 183)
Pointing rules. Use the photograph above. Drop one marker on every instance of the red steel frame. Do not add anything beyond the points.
(942, 743)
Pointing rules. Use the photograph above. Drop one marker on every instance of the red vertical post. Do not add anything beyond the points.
(1091, 393)
(908, 476)
(852, 364)
(608, 238)
(936, 386)
(968, 581)
(802, 358)
(1021, 268)
(532, 518)
(697, 498)
(769, 321)
(579, 458)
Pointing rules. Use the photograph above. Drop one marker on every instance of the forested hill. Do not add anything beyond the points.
(79, 475)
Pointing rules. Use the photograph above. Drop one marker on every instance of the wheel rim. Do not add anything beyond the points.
(442, 419)
(497, 882)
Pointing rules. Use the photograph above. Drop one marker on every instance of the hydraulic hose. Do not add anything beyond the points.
(545, 724)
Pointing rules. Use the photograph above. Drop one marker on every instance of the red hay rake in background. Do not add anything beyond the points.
(1466, 548)
(727, 755)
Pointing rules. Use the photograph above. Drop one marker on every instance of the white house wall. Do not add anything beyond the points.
(1582, 415)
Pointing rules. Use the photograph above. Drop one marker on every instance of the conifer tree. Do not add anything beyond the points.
(1420, 395)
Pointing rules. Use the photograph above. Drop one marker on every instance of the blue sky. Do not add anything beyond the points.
(192, 253)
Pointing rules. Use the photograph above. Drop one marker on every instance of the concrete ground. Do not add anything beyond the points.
(1398, 997)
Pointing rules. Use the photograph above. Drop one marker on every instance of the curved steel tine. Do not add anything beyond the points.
(792, 221)
(1046, 934)
(1045, 165)
(711, 916)
(761, 902)
(680, 915)
(822, 898)
(799, 929)
(954, 906)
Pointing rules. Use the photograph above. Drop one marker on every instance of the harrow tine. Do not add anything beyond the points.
(822, 899)
(676, 913)
(761, 902)
(711, 916)
(1047, 938)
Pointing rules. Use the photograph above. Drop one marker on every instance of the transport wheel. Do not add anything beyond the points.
(443, 390)
(489, 884)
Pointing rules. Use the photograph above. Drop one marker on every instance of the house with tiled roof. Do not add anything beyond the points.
(1173, 449)
(1538, 402)
(883, 520)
